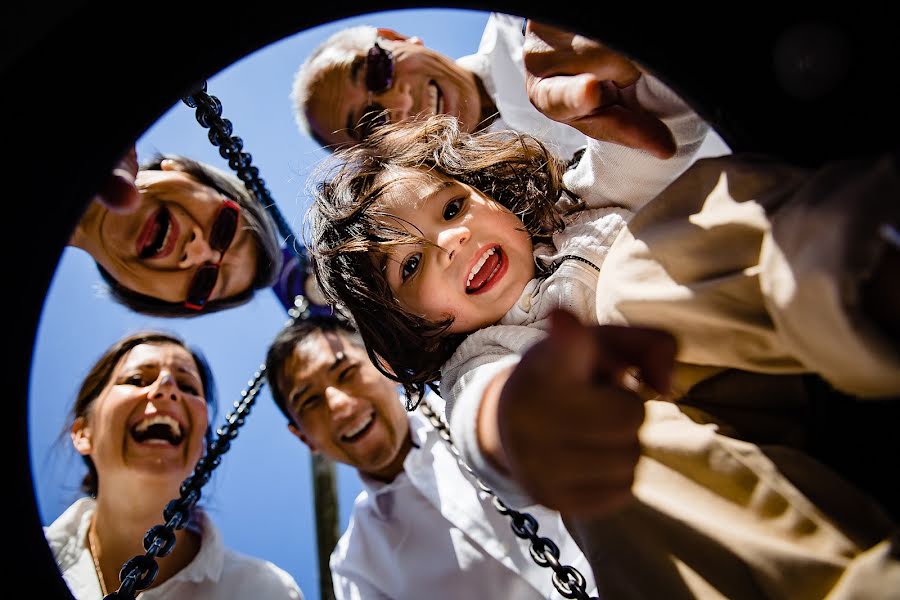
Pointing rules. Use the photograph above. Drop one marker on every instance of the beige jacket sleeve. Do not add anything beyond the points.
(755, 265)
(717, 517)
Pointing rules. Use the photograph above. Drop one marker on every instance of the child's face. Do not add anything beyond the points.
(482, 254)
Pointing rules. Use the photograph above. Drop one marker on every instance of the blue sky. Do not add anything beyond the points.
(261, 495)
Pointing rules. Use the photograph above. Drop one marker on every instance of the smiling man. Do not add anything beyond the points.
(420, 526)
(553, 85)
(195, 242)
(363, 77)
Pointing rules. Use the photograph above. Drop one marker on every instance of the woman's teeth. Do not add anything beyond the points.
(435, 99)
(158, 427)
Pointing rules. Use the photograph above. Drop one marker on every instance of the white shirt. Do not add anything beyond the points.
(216, 573)
(432, 534)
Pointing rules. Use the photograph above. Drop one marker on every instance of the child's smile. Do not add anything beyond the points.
(489, 269)
(475, 258)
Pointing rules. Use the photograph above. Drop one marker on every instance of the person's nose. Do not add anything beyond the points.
(164, 389)
(398, 100)
(198, 251)
(451, 240)
(339, 402)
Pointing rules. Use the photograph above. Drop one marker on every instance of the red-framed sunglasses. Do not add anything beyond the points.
(379, 78)
(221, 235)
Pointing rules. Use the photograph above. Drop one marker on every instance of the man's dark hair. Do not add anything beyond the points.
(282, 348)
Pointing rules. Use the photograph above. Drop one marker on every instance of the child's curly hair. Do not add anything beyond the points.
(349, 237)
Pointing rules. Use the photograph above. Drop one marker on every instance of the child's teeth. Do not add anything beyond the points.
(478, 265)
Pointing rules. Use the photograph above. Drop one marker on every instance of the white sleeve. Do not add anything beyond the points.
(615, 175)
(349, 585)
(480, 358)
(249, 575)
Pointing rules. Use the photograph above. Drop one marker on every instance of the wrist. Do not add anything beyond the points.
(488, 424)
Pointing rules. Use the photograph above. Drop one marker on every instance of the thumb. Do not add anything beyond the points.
(119, 192)
(565, 98)
(570, 348)
(651, 350)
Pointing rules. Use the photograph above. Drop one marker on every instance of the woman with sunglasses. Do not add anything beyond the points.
(193, 241)
(140, 422)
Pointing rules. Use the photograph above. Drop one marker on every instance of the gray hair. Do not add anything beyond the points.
(339, 50)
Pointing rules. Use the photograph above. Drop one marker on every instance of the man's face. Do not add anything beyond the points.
(157, 248)
(425, 82)
(343, 407)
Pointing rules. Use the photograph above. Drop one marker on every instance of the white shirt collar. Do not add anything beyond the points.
(380, 492)
(67, 534)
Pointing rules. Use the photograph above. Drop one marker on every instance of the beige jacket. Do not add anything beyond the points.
(757, 266)
(754, 266)
(717, 517)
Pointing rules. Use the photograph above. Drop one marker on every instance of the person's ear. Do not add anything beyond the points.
(302, 437)
(81, 436)
(389, 34)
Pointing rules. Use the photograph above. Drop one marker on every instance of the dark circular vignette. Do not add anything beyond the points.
(803, 84)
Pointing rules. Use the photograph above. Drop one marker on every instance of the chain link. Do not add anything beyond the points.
(138, 573)
(567, 580)
(208, 111)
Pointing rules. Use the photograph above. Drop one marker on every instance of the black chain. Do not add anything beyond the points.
(209, 115)
(138, 573)
(569, 582)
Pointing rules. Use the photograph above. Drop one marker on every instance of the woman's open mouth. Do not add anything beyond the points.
(156, 430)
(434, 99)
(158, 236)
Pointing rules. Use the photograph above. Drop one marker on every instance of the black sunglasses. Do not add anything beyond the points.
(379, 78)
(221, 235)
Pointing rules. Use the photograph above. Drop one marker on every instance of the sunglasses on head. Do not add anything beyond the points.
(221, 235)
(379, 78)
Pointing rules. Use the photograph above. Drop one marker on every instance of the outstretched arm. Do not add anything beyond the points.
(563, 422)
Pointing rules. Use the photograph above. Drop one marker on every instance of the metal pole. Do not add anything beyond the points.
(326, 505)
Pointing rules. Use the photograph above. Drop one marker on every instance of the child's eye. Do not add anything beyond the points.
(453, 208)
(410, 266)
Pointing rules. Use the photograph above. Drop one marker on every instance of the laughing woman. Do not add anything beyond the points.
(140, 422)
(192, 240)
